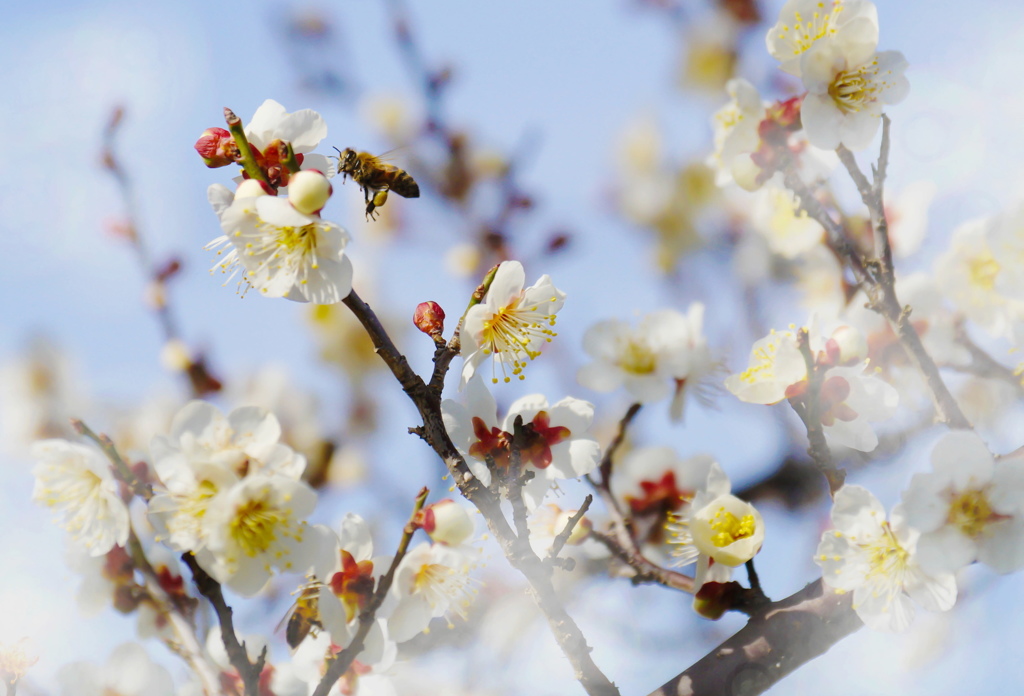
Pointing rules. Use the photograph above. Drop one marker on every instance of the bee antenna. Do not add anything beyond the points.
(338, 151)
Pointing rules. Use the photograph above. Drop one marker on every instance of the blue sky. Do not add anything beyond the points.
(570, 75)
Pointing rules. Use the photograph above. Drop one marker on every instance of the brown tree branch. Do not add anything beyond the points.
(343, 660)
(249, 672)
(779, 637)
(538, 573)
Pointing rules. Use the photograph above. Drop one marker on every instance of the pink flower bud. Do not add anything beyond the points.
(216, 147)
(846, 346)
(308, 191)
(429, 318)
(447, 522)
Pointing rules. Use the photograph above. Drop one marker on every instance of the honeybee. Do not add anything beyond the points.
(303, 616)
(373, 174)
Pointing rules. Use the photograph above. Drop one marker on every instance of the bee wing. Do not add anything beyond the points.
(391, 155)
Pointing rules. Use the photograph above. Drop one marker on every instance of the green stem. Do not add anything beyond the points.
(246, 158)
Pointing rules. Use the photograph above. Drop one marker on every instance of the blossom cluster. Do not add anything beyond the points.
(273, 232)
(969, 507)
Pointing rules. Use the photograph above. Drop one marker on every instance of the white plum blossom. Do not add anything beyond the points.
(776, 364)
(206, 454)
(712, 527)
(879, 562)
(281, 251)
(803, 23)
(432, 580)
(548, 521)
(245, 441)
(980, 273)
(845, 95)
(256, 526)
(969, 507)
(556, 442)
(511, 324)
(76, 482)
(728, 530)
(736, 129)
(832, 46)
(303, 129)
(665, 354)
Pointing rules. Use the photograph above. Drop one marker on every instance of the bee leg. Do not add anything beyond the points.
(379, 198)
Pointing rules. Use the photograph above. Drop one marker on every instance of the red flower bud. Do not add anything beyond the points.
(216, 147)
(429, 318)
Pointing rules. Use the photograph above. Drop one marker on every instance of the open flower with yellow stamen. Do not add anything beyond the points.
(511, 324)
(877, 560)
(282, 251)
(256, 526)
(970, 507)
(665, 354)
(716, 529)
(432, 580)
(76, 482)
(775, 365)
(802, 23)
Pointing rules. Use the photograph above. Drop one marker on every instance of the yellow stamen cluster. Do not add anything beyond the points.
(970, 512)
(514, 333)
(982, 270)
(763, 363)
(442, 585)
(730, 529)
(807, 30)
(256, 524)
(638, 358)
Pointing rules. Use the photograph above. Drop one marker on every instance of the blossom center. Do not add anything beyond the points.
(970, 512)
(983, 271)
(254, 527)
(729, 528)
(660, 495)
(638, 358)
(514, 332)
(444, 587)
(353, 584)
(851, 90)
(886, 557)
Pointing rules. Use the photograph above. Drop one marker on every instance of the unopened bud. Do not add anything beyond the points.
(713, 599)
(429, 318)
(216, 147)
(447, 522)
(250, 188)
(308, 191)
(175, 356)
(846, 346)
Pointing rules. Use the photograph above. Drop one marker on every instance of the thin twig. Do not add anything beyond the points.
(570, 525)
(808, 407)
(882, 277)
(343, 660)
(238, 655)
